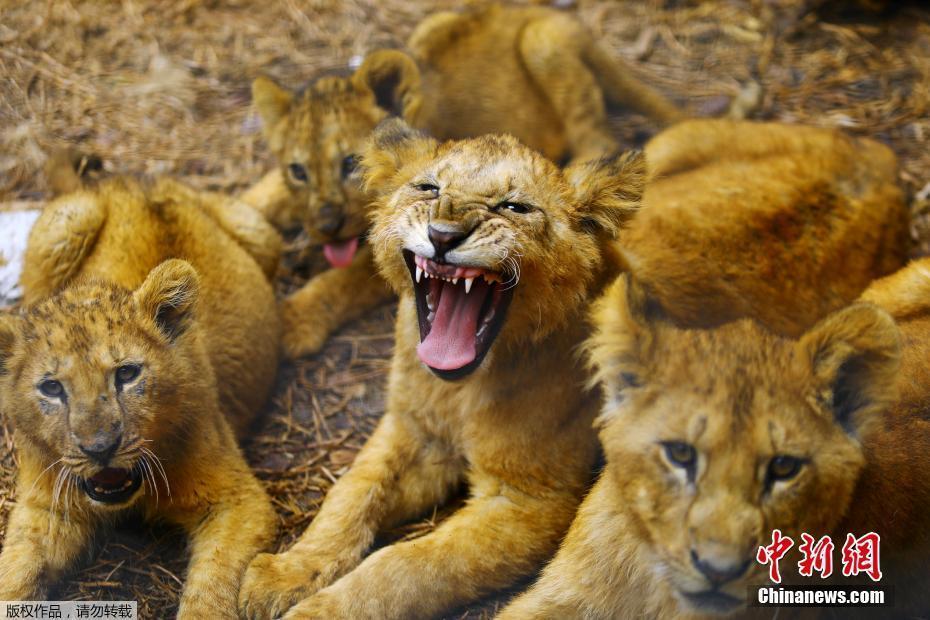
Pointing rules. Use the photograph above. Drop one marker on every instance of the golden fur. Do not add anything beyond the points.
(531, 72)
(520, 440)
(846, 398)
(156, 357)
(776, 222)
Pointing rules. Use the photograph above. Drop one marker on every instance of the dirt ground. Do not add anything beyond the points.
(163, 87)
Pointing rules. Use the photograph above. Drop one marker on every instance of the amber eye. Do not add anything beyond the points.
(349, 164)
(427, 187)
(514, 207)
(298, 172)
(680, 454)
(126, 373)
(783, 467)
(52, 388)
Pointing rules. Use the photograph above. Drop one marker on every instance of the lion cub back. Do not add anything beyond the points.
(783, 224)
(123, 229)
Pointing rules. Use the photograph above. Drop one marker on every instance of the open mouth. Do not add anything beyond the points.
(460, 310)
(340, 253)
(713, 601)
(112, 486)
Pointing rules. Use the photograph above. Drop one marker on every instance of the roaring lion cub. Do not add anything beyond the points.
(494, 252)
(530, 72)
(126, 374)
(714, 438)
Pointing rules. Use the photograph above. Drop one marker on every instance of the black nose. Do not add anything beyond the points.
(102, 449)
(719, 573)
(331, 219)
(443, 240)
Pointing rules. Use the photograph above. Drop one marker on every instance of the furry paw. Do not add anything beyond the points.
(273, 584)
(301, 334)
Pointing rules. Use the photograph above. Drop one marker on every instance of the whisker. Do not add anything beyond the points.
(161, 469)
(39, 477)
(69, 485)
(147, 469)
(59, 480)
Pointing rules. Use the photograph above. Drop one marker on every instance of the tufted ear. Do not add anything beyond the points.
(9, 331)
(625, 320)
(391, 146)
(394, 78)
(272, 101)
(853, 357)
(608, 191)
(168, 296)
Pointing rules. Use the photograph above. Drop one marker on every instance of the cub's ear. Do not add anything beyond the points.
(625, 320)
(168, 296)
(272, 101)
(853, 357)
(394, 79)
(608, 191)
(392, 145)
(9, 331)
(68, 169)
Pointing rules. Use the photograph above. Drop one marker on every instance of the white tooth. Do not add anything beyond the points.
(426, 274)
(419, 273)
(468, 282)
(455, 280)
(98, 489)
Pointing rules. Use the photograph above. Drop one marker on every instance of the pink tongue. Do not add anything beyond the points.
(450, 343)
(340, 254)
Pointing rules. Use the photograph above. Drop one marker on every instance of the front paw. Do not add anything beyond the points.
(273, 584)
(303, 333)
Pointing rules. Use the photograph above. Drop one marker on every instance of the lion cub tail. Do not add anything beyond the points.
(68, 169)
(621, 87)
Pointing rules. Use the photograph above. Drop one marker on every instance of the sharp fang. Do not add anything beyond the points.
(419, 274)
(455, 281)
(468, 282)
(426, 274)
(98, 489)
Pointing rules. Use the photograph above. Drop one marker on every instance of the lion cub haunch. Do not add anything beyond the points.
(495, 253)
(126, 375)
(776, 222)
(714, 438)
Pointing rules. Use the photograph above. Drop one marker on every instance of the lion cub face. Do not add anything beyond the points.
(317, 136)
(494, 241)
(721, 436)
(88, 374)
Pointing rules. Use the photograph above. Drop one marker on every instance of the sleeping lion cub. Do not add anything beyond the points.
(494, 252)
(531, 72)
(714, 438)
(127, 373)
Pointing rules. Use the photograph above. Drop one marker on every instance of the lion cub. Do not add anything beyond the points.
(531, 72)
(777, 222)
(494, 252)
(126, 374)
(714, 438)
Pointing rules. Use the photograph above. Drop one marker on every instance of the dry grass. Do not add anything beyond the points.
(163, 87)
